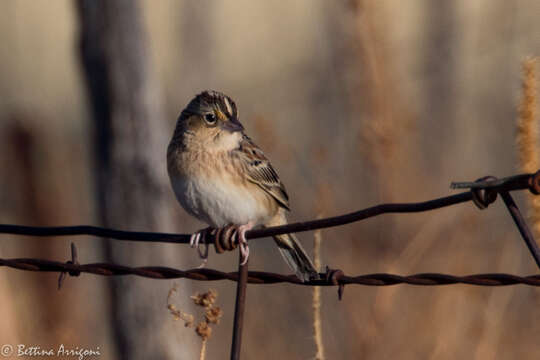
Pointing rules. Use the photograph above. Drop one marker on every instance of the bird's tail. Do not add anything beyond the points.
(295, 255)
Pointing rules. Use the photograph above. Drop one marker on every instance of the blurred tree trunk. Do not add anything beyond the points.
(439, 57)
(132, 186)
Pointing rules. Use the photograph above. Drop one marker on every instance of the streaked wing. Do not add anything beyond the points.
(260, 171)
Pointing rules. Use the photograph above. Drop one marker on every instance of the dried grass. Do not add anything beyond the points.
(317, 325)
(212, 315)
(177, 313)
(527, 137)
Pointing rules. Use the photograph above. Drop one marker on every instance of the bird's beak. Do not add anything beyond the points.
(232, 125)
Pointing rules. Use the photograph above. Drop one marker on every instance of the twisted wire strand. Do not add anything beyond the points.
(330, 278)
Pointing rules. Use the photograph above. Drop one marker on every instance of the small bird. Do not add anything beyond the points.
(222, 178)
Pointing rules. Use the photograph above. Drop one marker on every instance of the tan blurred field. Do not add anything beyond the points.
(356, 103)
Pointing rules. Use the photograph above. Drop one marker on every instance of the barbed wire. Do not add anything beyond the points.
(330, 278)
(482, 192)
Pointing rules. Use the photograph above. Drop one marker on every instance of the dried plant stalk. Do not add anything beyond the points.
(317, 327)
(177, 313)
(212, 315)
(527, 136)
(203, 350)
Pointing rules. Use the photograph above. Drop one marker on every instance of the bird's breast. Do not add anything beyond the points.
(219, 196)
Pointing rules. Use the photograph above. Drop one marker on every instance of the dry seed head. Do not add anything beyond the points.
(203, 330)
(213, 314)
(528, 132)
(206, 299)
(527, 135)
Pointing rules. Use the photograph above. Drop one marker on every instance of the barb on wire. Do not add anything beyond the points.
(74, 260)
(510, 183)
(331, 278)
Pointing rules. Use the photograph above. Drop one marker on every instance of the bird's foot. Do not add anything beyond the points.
(195, 242)
(199, 240)
(240, 232)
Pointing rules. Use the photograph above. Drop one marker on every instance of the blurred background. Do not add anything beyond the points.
(355, 102)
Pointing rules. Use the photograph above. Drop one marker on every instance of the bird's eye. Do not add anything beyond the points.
(210, 118)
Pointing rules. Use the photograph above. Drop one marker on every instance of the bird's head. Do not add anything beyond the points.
(211, 119)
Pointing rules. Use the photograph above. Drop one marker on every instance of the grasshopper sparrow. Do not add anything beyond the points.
(222, 178)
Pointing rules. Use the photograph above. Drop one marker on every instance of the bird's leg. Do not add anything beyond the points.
(242, 241)
(194, 242)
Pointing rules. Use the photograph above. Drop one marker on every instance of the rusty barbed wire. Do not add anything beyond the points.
(482, 192)
(330, 278)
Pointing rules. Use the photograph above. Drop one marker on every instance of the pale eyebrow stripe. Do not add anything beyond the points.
(228, 105)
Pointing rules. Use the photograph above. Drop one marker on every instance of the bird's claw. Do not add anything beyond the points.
(238, 236)
(194, 239)
(194, 242)
(240, 232)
